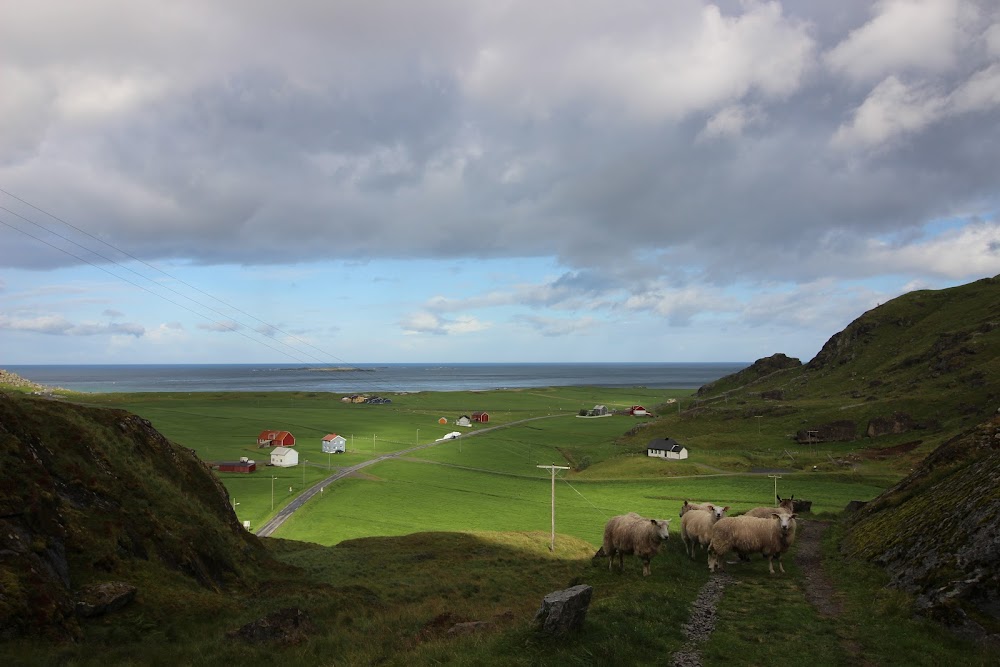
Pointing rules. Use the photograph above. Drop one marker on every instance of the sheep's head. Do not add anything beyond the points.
(685, 508)
(786, 522)
(661, 527)
(787, 503)
(718, 512)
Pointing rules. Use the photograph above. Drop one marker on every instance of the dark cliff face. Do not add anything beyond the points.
(92, 495)
(937, 532)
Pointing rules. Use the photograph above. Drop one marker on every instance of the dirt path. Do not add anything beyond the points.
(816, 586)
(702, 621)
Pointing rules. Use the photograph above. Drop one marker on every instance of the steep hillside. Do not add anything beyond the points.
(937, 532)
(927, 360)
(97, 504)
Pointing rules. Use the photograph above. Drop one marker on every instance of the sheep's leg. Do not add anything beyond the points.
(780, 566)
(645, 567)
(770, 563)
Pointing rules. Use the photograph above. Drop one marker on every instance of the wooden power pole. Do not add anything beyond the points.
(552, 468)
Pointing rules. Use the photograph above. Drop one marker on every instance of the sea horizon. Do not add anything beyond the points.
(370, 377)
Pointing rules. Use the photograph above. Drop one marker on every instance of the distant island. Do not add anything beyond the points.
(341, 369)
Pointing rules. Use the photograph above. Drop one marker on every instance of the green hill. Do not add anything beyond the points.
(91, 497)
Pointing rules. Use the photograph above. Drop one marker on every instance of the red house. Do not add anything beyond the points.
(480, 416)
(638, 411)
(275, 439)
(243, 465)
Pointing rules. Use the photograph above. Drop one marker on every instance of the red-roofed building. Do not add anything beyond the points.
(276, 439)
(480, 416)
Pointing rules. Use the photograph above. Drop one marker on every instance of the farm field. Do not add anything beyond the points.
(488, 479)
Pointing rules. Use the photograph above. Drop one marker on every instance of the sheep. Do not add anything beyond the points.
(687, 507)
(632, 534)
(696, 526)
(747, 535)
(765, 513)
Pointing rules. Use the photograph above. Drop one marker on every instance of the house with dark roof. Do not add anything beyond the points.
(666, 448)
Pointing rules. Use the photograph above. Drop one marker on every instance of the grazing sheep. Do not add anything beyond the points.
(766, 512)
(696, 526)
(687, 507)
(748, 535)
(632, 534)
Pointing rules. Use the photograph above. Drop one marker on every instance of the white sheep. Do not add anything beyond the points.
(696, 526)
(687, 507)
(749, 535)
(631, 534)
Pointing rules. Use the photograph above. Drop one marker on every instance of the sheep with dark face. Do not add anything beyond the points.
(632, 534)
(749, 535)
(696, 526)
(687, 507)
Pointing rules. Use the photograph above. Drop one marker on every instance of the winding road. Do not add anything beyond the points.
(285, 512)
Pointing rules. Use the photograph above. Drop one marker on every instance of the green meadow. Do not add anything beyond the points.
(486, 480)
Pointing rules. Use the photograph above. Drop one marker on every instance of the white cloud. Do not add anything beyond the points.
(691, 58)
(57, 325)
(730, 122)
(903, 35)
(892, 109)
(227, 326)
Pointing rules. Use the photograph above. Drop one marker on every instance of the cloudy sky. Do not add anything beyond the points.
(570, 180)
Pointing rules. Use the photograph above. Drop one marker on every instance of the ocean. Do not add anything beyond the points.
(371, 378)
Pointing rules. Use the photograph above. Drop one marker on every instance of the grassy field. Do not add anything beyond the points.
(488, 479)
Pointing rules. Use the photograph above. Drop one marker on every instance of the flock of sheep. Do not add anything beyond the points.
(765, 530)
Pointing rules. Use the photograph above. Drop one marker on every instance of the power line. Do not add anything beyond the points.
(179, 305)
(325, 359)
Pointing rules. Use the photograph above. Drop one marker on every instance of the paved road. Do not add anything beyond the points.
(275, 522)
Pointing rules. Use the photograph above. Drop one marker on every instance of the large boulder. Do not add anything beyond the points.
(564, 611)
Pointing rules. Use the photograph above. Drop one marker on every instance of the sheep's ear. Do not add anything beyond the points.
(793, 516)
(776, 515)
(726, 508)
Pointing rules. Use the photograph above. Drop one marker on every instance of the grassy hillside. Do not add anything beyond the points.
(90, 497)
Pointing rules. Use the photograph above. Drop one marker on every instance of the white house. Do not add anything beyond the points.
(666, 448)
(334, 444)
(463, 421)
(600, 411)
(284, 457)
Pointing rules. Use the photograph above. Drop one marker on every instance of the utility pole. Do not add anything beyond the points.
(552, 468)
(757, 417)
(775, 478)
(272, 492)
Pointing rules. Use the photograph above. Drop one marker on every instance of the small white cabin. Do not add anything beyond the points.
(666, 448)
(284, 457)
(464, 420)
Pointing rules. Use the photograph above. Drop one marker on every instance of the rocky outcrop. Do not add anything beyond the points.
(8, 379)
(99, 599)
(286, 626)
(937, 532)
(843, 430)
(899, 422)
